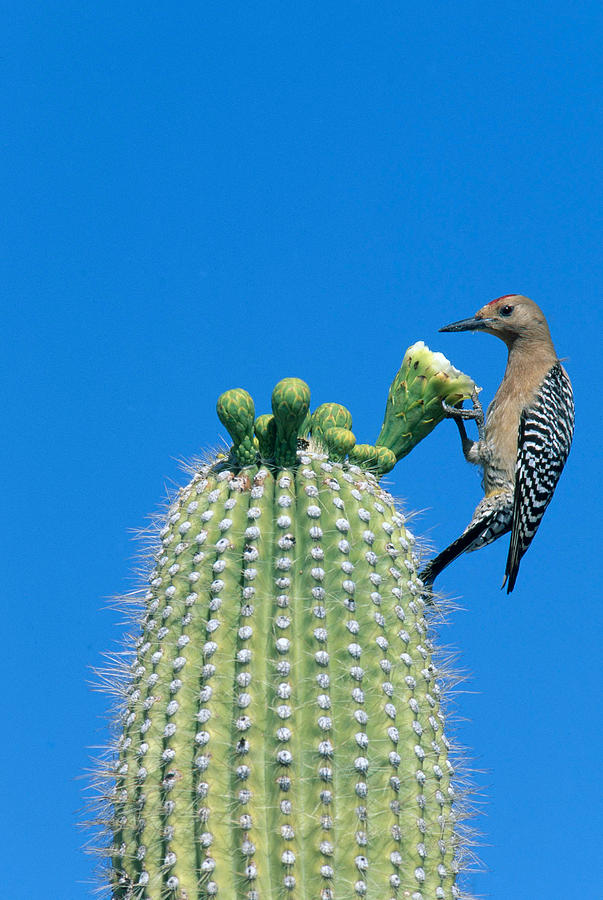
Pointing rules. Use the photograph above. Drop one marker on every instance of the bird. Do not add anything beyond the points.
(525, 440)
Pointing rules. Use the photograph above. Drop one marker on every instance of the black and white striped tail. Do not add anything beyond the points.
(491, 519)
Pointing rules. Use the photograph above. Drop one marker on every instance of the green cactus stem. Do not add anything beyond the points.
(386, 460)
(364, 455)
(329, 415)
(265, 430)
(290, 406)
(236, 412)
(305, 427)
(282, 728)
(282, 735)
(378, 460)
(339, 442)
(414, 402)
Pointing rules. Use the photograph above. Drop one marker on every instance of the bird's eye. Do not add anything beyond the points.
(506, 310)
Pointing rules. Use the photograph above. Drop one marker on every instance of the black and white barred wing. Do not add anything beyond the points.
(545, 436)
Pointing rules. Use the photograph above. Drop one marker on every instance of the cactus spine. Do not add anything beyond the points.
(281, 730)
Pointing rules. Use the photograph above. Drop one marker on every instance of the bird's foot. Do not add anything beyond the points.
(458, 413)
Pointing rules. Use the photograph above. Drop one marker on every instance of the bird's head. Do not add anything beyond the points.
(509, 318)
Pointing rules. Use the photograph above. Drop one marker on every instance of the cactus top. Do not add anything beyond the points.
(414, 407)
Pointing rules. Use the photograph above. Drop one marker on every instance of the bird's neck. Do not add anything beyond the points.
(523, 347)
(528, 362)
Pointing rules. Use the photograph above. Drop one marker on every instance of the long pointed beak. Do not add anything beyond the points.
(471, 324)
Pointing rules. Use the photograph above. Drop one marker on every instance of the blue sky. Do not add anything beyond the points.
(216, 195)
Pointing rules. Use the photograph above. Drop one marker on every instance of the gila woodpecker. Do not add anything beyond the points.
(524, 443)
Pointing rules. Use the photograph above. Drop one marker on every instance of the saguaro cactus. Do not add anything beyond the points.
(282, 734)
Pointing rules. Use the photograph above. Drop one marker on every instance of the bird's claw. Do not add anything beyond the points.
(478, 413)
(459, 414)
(455, 412)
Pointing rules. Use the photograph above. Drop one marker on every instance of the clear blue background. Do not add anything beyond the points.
(201, 196)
